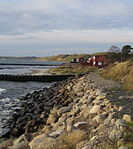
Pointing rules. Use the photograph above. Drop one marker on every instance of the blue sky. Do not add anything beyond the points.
(50, 27)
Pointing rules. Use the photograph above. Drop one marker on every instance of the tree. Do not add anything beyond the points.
(114, 49)
(114, 54)
(126, 50)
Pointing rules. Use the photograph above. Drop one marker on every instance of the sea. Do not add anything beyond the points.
(11, 92)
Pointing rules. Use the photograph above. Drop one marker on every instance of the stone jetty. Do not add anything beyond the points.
(75, 114)
(38, 78)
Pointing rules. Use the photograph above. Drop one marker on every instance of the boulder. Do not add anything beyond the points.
(127, 118)
(55, 134)
(123, 147)
(44, 142)
(21, 145)
(81, 125)
(6, 144)
(63, 110)
(81, 144)
(95, 109)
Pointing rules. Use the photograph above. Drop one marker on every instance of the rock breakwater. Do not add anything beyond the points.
(76, 114)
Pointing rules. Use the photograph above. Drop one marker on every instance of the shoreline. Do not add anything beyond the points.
(78, 106)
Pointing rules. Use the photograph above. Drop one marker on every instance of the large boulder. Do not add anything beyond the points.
(95, 109)
(21, 145)
(44, 142)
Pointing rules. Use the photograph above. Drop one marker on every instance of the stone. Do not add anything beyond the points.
(55, 134)
(47, 129)
(38, 140)
(95, 109)
(63, 110)
(24, 137)
(98, 119)
(123, 147)
(81, 125)
(6, 144)
(116, 134)
(85, 101)
(120, 123)
(21, 145)
(52, 119)
(81, 144)
(69, 88)
(127, 118)
(43, 142)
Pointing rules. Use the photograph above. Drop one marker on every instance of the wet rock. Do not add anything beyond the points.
(5, 133)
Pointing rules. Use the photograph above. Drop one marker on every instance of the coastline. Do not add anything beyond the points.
(68, 107)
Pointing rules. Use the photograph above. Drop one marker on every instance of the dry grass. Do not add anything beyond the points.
(64, 57)
(73, 69)
(122, 72)
(68, 57)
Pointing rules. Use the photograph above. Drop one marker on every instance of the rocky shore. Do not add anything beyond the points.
(80, 113)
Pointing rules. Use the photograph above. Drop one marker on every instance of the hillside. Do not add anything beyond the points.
(122, 72)
(63, 57)
(68, 57)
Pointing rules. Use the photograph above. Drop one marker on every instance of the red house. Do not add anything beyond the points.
(98, 60)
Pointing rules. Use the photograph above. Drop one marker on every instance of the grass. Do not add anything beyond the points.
(68, 57)
(122, 72)
(129, 136)
(72, 69)
(63, 57)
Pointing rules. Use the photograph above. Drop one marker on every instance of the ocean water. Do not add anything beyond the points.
(11, 92)
(24, 66)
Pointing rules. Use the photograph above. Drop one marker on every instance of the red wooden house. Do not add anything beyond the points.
(98, 60)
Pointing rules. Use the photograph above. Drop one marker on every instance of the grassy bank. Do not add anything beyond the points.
(122, 72)
(65, 58)
(72, 69)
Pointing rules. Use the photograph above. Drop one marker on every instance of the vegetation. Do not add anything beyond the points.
(129, 136)
(120, 55)
(122, 72)
(72, 69)
(65, 58)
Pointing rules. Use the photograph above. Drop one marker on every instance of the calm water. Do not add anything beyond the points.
(10, 92)
(24, 66)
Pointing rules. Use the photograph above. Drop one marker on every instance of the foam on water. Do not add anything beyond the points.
(2, 90)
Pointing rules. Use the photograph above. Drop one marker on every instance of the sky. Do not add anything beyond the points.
(51, 27)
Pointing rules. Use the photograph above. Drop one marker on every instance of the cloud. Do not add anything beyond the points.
(60, 37)
(43, 15)
(65, 23)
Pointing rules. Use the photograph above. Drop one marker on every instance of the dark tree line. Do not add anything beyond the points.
(117, 54)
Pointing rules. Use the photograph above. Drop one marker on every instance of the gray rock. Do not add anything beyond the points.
(55, 134)
(63, 110)
(81, 125)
